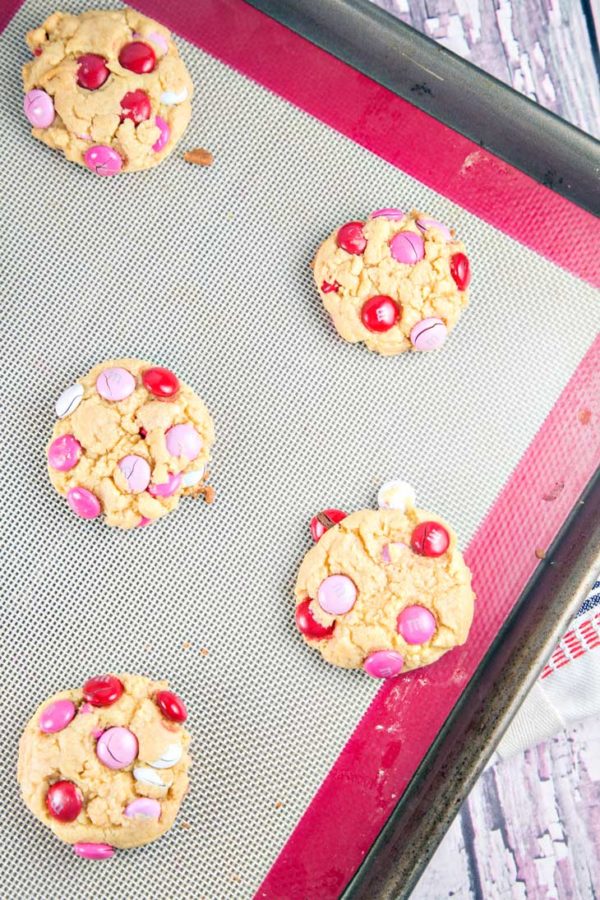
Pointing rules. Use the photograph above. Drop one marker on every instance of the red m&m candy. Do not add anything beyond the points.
(171, 706)
(380, 313)
(136, 106)
(430, 539)
(64, 801)
(308, 625)
(329, 287)
(92, 71)
(160, 382)
(350, 238)
(102, 690)
(460, 270)
(138, 57)
(325, 520)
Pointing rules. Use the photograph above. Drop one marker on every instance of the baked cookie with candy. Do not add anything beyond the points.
(129, 441)
(384, 590)
(398, 281)
(107, 88)
(105, 766)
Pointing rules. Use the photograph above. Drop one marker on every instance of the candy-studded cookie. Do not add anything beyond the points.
(105, 766)
(107, 88)
(130, 439)
(384, 590)
(397, 281)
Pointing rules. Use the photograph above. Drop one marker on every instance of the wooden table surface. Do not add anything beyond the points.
(530, 830)
(546, 49)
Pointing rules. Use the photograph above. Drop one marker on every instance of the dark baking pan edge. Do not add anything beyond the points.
(454, 91)
(471, 732)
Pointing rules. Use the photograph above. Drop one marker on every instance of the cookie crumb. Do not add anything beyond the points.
(278, 804)
(147, 647)
(186, 826)
(204, 651)
(186, 645)
(584, 416)
(209, 493)
(199, 157)
(540, 553)
(237, 879)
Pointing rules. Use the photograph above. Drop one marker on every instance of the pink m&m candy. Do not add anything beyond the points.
(428, 224)
(350, 238)
(39, 108)
(428, 334)
(64, 453)
(136, 472)
(83, 503)
(56, 716)
(337, 595)
(103, 160)
(117, 747)
(143, 522)
(183, 440)
(389, 212)
(383, 664)
(115, 384)
(165, 134)
(88, 850)
(386, 556)
(407, 247)
(158, 40)
(144, 807)
(416, 624)
(168, 487)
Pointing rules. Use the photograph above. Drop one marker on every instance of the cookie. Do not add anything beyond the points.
(105, 766)
(107, 88)
(384, 590)
(130, 439)
(398, 281)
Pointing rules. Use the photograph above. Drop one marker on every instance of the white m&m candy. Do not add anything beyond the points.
(396, 495)
(169, 758)
(69, 400)
(172, 98)
(146, 775)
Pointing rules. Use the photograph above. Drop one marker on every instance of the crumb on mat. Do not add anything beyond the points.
(199, 157)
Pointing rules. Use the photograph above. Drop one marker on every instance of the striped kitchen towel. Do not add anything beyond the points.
(568, 688)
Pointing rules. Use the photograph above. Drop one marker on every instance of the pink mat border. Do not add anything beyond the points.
(378, 761)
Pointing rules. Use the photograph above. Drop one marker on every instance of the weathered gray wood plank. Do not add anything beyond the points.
(540, 47)
(530, 830)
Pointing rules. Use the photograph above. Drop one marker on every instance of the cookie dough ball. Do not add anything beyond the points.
(384, 590)
(107, 88)
(397, 281)
(106, 766)
(130, 440)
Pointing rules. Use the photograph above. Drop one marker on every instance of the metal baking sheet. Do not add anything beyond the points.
(207, 271)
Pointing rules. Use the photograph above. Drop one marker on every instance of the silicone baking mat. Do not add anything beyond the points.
(207, 271)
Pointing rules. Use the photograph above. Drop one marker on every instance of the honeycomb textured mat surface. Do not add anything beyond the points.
(207, 271)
